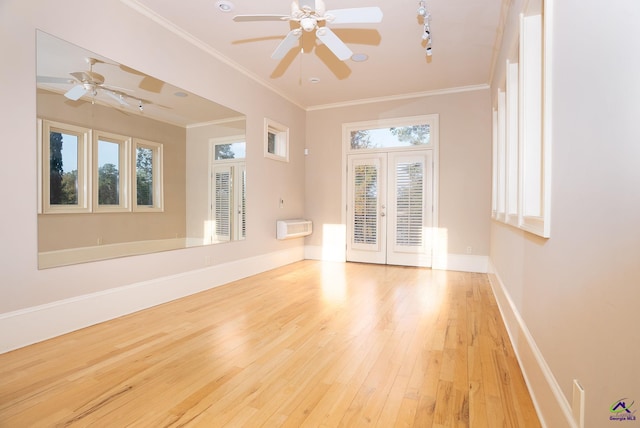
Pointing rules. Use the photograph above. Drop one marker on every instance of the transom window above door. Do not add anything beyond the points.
(412, 132)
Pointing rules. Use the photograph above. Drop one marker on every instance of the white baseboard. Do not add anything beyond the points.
(462, 263)
(318, 252)
(27, 326)
(551, 405)
(457, 262)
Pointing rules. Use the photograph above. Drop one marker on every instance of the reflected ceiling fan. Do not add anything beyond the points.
(312, 16)
(92, 83)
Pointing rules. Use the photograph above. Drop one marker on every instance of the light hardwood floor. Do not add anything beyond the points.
(314, 344)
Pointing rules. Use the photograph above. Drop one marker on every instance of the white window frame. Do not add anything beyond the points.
(158, 176)
(84, 152)
(124, 185)
(522, 129)
(237, 170)
(535, 147)
(281, 148)
(512, 192)
(430, 119)
(501, 170)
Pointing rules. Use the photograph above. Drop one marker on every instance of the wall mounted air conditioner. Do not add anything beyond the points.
(294, 228)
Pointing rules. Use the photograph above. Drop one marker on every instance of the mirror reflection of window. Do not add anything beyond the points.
(63, 169)
(108, 173)
(111, 172)
(228, 213)
(63, 181)
(144, 176)
(148, 184)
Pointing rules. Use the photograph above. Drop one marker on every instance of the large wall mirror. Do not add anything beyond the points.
(129, 164)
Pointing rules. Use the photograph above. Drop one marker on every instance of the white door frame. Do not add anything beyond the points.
(433, 121)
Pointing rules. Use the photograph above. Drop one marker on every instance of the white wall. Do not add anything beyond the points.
(577, 293)
(112, 29)
(464, 154)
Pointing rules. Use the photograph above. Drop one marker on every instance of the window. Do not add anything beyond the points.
(65, 162)
(110, 172)
(148, 194)
(411, 132)
(83, 171)
(521, 133)
(228, 189)
(276, 141)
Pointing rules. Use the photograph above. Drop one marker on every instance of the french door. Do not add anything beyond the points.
(228, 205)
(390, 207)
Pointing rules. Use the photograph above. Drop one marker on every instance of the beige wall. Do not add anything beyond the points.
(60, 231)
(577, 292)
(465, 163)
(143, 45)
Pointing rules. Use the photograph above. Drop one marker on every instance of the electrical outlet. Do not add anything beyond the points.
(577, 405)
(469, 249)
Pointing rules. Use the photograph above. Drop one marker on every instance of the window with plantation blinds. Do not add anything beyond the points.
(409, 203)
(223, 181)
(365, 215)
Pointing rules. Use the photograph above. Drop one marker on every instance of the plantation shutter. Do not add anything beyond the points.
(365, 206)
(223, 202)
(409, 203)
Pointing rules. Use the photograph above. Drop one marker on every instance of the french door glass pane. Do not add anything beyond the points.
(243, 219)
(63, 169)
(223, 204)
(108, 173)
(409, 203)
(365, 215)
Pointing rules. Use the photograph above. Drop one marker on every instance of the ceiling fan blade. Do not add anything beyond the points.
(81, 76)
(287, 44)
(76, 92)
(247, 18)
(51, 79)
(356, 15)
(334, 43)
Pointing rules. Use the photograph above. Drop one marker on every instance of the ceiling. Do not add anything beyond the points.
(464, 36)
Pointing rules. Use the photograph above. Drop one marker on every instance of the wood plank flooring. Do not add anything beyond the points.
(312, 344)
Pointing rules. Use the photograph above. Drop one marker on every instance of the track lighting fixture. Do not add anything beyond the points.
(425, 17)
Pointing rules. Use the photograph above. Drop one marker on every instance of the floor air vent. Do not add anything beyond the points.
(286, 229)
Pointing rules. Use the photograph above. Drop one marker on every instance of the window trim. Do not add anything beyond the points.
(281, 132)
(522, 141)
(158, 176)
(429, 119)
(124, 184)
(84, 154)
(237, 169)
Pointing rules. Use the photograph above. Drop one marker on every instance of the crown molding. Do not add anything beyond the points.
(401, 97)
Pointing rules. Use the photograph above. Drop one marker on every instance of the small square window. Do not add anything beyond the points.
(276, 142)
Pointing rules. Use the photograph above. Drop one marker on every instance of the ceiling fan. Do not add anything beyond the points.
(311, 15)
(90, 82)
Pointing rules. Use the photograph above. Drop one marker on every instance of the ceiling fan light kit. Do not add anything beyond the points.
(311, 16)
